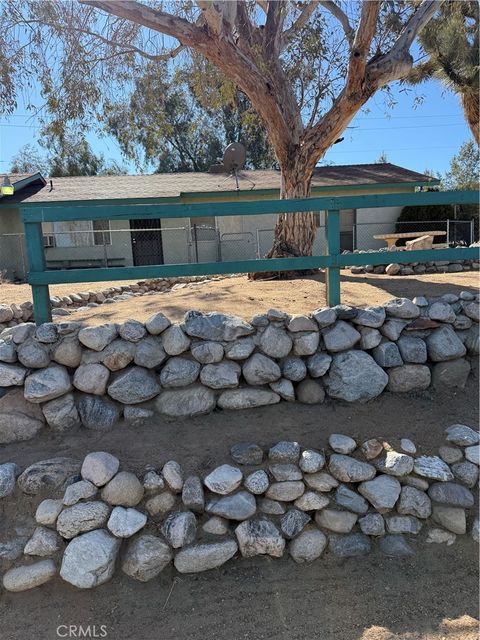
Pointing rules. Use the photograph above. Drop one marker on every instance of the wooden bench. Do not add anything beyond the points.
(391, 238)
(77, 263)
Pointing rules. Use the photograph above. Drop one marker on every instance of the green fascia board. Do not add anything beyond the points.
(247, 266)
(314, 189)
(246, 208)
(215, 195)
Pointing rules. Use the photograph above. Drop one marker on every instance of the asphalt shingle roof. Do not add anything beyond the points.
(164, 185)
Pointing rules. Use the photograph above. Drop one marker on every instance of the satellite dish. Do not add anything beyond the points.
(234, 157)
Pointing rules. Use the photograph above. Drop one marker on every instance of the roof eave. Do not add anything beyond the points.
(214, 194)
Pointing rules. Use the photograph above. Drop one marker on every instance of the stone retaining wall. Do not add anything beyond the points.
(13, 314)
(67, 375)
(92, 518)
(414, 268)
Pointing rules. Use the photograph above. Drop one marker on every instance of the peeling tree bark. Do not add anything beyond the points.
(250, 55)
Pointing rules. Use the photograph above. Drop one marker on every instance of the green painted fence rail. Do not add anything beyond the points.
(39, 277)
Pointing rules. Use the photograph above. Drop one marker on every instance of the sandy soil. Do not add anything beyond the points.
(432, 596)
(246, 298)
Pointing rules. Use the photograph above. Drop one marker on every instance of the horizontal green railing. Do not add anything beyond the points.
(39, 277)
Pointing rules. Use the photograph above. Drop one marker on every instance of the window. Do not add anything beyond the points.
(101, 232)
(81, 233)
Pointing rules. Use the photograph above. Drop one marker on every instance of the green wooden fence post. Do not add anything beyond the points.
(36, 263)
(333, 248)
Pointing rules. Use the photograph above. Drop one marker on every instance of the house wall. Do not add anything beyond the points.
(238, 234)
(13, 253)
(119, 249)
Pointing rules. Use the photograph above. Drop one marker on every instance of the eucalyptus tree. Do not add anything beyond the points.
(306, 67)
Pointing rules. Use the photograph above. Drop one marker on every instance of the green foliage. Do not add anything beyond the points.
(29, 160)
(69, 157)
(464, 172)
(171, 122)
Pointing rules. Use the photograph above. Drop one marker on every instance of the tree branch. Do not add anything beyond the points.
(300, 22)
(398, 62)
(272, 98)
(341, 17)
(185, 32)
(361, 45)
(274, 28)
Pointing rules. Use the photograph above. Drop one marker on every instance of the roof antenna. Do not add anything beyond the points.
(234, 158)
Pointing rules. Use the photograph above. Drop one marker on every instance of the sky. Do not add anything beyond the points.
(425, 137)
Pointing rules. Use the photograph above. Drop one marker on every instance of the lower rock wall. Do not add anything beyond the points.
(92, 517)
(13, 314)
(67, 375)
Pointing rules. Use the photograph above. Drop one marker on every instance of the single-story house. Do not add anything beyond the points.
(157, 241)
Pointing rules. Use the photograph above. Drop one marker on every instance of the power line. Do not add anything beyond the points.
(395, 149)
(412, 126)
(440, 115)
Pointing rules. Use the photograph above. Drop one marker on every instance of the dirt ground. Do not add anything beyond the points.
(246, 298)
(432, 596)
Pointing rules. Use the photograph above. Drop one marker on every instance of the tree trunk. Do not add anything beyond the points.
(294, 232)
(471, 108)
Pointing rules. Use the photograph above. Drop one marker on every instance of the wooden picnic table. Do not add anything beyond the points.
(391, 238)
